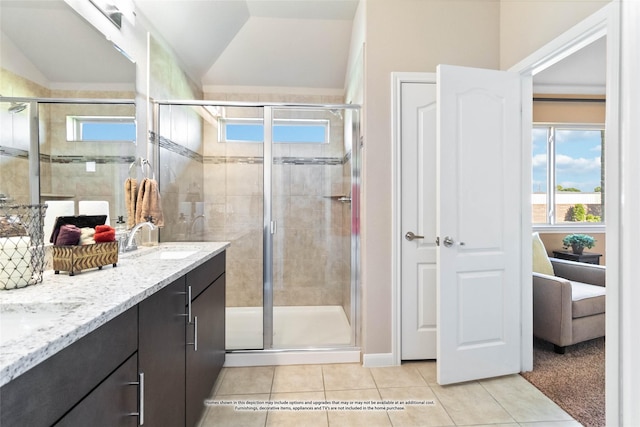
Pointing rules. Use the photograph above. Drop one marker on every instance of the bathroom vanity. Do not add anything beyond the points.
(137, 344)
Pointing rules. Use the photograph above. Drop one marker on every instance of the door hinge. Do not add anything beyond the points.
(273, 227)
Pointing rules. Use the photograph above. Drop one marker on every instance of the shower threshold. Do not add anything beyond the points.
(294, 327)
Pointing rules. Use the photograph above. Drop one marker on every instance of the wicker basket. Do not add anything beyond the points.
(82, 257)
(78, 258)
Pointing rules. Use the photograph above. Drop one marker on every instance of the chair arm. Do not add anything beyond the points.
(552, 319)
(579, 271)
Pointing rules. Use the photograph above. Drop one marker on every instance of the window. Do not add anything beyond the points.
(285, 131)
(568, 174)
(101, 128)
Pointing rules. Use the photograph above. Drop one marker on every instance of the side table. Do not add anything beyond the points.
(586, 257)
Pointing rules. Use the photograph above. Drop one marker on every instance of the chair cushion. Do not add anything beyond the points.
(541, 263)
(587, 300)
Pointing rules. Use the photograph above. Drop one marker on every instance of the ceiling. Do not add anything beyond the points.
(279, 43)
(295, 43)
(77, 54)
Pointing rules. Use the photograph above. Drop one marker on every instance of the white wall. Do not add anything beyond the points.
(405, 35)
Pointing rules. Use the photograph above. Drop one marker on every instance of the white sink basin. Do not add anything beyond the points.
(18, 321)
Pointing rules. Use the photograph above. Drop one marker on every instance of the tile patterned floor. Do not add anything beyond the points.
(507, 401)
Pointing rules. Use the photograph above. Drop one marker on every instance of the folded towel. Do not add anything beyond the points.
(87, 232)
(87, 241)
(68, 235)
(148, 203)
(105, 236)
(102, 228)
(130, 198)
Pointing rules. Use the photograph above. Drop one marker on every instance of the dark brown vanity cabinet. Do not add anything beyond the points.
(140, 368)
(181, 345)
(205, 334)
(92, 382)
(161, 354)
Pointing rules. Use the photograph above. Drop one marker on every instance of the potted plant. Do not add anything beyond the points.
(577, 242)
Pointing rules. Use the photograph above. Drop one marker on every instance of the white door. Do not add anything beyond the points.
(418, 182)
(479, 208)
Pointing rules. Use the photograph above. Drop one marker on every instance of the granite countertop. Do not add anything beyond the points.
(40, 320)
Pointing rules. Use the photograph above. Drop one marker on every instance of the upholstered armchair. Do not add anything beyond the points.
(569, 303)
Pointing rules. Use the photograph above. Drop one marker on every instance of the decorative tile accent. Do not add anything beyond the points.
(174, 147)
(48, 158)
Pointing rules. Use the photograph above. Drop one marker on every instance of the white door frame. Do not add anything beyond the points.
(397, 79)
(605, 21)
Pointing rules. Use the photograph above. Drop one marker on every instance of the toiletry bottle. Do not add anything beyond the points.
(149, 236)
(121, 233)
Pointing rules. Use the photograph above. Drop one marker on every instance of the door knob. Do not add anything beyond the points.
(448, 242)
(411, 236)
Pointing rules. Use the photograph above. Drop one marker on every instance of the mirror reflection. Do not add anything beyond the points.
(85, 149)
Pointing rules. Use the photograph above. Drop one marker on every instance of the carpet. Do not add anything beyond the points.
(574, 380)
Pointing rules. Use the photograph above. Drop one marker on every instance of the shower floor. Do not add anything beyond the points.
(293, 327)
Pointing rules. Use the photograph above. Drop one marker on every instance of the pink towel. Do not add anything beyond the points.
(148, 203)
(68, 235)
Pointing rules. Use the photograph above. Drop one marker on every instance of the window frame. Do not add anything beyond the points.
(223, 122)
(551, 224)
(76, 122)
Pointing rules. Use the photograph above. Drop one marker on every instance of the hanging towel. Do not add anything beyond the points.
(131, 196)
(148, 203)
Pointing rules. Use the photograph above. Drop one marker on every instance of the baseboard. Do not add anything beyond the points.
(277, 358)
(377, 360)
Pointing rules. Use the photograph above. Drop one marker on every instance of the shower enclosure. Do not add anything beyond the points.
(280, 182)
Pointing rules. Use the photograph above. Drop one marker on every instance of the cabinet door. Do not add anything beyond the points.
(205, 360)
(161, 349)
(114, 403)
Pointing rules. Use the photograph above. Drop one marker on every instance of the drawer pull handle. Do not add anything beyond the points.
(140, 384)
(195, 334)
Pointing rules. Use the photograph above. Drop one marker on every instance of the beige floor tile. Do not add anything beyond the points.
(522, 400)
(347, 377)
(289, 416)
(428, 370)
(406, 375)
(248, 380)
(431, 413)
(236, 413)
(297, 378)
(470, 403)
(353, 416)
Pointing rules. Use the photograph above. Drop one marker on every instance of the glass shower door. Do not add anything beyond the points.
(311, 230)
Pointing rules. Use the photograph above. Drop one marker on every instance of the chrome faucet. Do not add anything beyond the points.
(192, 227)
(130, 245)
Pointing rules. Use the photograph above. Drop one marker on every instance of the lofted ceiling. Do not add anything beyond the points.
(294, 43)
(61, 45)
(278, 43)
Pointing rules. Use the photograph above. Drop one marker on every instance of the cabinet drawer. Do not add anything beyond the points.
(113, 403)
(205, 274)
(40, 396)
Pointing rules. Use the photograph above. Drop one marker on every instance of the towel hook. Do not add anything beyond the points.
(142, 162)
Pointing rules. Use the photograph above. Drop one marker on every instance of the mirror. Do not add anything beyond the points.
(50, 51)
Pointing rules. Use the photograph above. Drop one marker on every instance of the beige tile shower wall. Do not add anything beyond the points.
(181, 177)
(14, 133)
(312, 243)
(74, 180)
